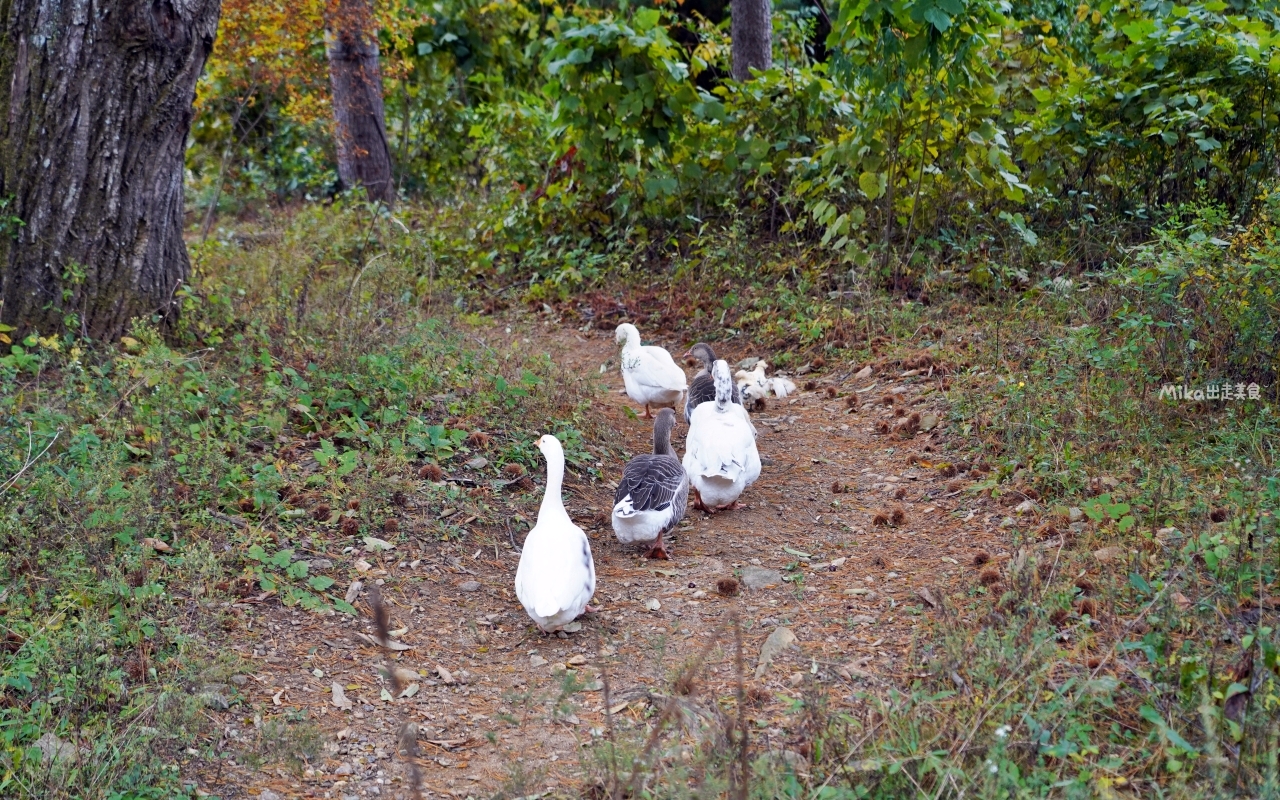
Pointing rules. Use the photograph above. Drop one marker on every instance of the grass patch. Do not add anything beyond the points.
(152, 488)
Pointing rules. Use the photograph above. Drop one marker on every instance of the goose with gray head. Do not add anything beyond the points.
(720, 451)
(649, 373)
(653, 493)
(556, 576)
(702, 389)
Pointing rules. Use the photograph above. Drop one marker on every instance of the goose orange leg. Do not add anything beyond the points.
(647, 413)
(658, 551)
(697, 500)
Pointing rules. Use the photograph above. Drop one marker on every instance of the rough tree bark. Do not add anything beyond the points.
(95, 108)
(751, 35)
(364, 157)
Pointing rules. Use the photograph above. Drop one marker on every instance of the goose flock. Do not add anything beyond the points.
(556, 578)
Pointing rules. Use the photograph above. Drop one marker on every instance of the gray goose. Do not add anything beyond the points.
(653, 493)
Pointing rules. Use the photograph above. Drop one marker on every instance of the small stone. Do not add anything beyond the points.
(855, 592)
(343, 769)
(362, 566)
(319, 673)
(216, 696)
(864, 373)
(862, 619)
(319, 564)
(699, 595)
(891, 575)
(1074, 514)
(838, 562)
(469, 586)
(654, 604)
(537, 661)
(1008, 522)
(267, 794)
(1108, 553)
(928, 422)
(796, 678)
(577, 661)
(760, 578)
(778, 641)
(446, 677)
(479, 462)
(54, 749)
(1026, 507)
(239, 680)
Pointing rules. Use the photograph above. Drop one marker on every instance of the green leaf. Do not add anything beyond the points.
(938, 19)
(872, 184)
(319, 582)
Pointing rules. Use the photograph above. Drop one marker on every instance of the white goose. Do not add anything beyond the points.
(720, 451)
(557, 576)
(653, 492)
(649, 373)
(754, 385)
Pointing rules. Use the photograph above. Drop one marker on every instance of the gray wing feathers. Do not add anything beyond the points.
(654, 483)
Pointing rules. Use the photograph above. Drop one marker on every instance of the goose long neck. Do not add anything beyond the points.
(662, 436)
(552, 502)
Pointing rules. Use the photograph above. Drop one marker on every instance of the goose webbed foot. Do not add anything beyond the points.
(647, 413)
(658, 551)
(697, 501)
(589, 609)
(734, 506)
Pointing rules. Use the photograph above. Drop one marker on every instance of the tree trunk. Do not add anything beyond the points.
(95, 108)
(751, 35)
(364, 157)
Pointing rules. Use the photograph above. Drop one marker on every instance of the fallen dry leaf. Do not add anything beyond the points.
(445, 675)
(390, 645)
(157, 545)
(353, 591)
(275, 698)
(927, 596)
(339, 698)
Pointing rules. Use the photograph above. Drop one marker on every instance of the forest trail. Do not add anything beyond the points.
(494, 709)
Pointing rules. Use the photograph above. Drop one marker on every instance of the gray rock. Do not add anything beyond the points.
(267, 794)
(239, 680)
(537, 661)
(759, 577)
(1074, 514)
(779, 640)
(479, 462)
(469, 586)
(54, 749)
(319, 564)
(343, 769)
(216, 696)
(928, 422)
(748, 363)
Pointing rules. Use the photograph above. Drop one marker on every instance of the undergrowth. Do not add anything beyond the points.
(155, 492)
(330, 365)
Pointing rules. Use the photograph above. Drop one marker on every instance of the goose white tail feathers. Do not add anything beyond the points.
(720, 450)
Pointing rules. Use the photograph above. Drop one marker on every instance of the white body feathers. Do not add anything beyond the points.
(720, 450)
(557, 576)
(650, 375)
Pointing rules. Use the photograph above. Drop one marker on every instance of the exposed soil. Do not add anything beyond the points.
(851, 592)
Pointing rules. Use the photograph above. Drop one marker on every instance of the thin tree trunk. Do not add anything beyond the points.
(95, 108)
(751, 32)
(364, 157)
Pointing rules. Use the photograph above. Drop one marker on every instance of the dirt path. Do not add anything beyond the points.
(501, 717)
